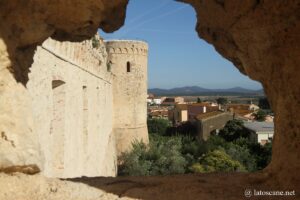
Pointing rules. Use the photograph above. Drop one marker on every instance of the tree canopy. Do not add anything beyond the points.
(158, 126)
(263, 103)
(233, 130)
(260, 115)
(199, 100)
(222, 100)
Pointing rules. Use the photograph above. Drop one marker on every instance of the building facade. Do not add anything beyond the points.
(260, 132)
(212, 122)
(196, 109)
(87, 107)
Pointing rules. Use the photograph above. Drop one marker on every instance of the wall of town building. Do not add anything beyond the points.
(213, 123)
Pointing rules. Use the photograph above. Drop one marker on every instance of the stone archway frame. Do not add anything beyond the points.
(260, 37)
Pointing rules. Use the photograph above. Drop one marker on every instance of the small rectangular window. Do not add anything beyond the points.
(128, 67)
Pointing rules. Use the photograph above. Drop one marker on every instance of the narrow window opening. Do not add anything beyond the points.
(109, 66)
(128, 67)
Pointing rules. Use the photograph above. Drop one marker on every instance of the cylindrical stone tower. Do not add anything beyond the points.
(128, 60)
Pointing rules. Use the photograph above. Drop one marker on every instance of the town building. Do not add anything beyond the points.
(251, 107)
(178, 114)
(157, 101)
(242, 111)
(211, 122)
(196, 109)
(159, 114)
(152, 100)
(261, 132)
(188, 112)
(171, 101)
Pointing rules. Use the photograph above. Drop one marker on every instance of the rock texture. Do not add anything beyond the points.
(214, 186)
(262, 37)
(26, 24)
(21, 187)
(23, 26)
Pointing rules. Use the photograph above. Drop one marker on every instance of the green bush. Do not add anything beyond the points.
(95, 42)
(198, 168)
(233, 130)
(263, 103)
(243, 155)
(217, 160)
(259, 156)
(158, 126)
(262, 154)
(134, 163)
(160, 158)
(260, 115)
(238, 150)
(222, 100)
(192, 150)
(179, 154)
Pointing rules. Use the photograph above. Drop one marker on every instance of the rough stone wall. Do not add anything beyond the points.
(23, 26)
(129, 91)
(262, 39)
(85, 104)
(71, 93)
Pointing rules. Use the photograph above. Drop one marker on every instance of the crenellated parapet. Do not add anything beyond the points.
(131, 47)
(81, 54)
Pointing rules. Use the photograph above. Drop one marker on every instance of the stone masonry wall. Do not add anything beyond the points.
(71, 93)
(129, 91)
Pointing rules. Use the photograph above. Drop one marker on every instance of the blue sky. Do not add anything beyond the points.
(177, 57)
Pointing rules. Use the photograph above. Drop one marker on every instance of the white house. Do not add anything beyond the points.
(157, 101)
(261, 132)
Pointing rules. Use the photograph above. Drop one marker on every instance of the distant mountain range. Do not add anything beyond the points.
(196, 90)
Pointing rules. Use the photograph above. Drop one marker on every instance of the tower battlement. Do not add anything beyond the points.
(126, 47)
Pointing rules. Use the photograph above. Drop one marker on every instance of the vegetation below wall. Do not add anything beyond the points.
(230, 151)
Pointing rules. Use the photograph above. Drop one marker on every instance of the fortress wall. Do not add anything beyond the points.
(129, 91)
(71, 93)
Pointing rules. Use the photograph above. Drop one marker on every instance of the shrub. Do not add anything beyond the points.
(262, 154)
(260, 115)
(95, 42)
(263, 103)
(192, 150)
(222, 100)
(238, 150)
(197, 168)
(216, 142)
(160, 158)
(243, 155)
(182, 154)
(233, 130)
(186, 128)
(158, 126)
(218, 160)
